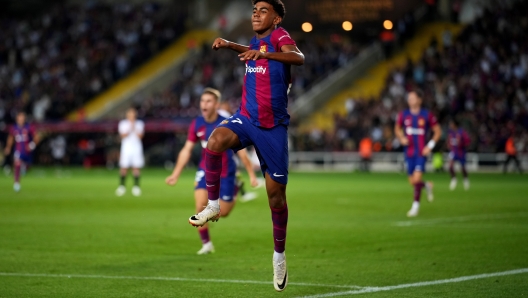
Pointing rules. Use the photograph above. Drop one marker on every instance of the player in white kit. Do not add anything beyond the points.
(131, 131)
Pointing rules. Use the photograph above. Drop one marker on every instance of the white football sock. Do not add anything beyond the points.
(214, 203)
(278, 256)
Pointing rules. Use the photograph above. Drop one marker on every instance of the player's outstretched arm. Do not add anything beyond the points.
(249, 167)
(183, 158)
(289, 54)
(221, 43)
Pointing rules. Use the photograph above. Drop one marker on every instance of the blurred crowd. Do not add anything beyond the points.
(480, 78)
(224, 71)
(69, 54)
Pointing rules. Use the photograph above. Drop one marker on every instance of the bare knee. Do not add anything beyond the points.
(277, 198)
(222, 139)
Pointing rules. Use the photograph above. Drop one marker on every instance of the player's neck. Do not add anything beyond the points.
(263, 34)
(211, 118)
(415, 110)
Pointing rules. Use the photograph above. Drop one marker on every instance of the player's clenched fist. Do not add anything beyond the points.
(220, 43)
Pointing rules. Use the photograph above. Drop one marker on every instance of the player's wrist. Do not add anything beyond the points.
(431, 144)
(32, 145)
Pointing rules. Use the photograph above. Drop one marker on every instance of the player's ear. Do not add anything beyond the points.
(277, 20)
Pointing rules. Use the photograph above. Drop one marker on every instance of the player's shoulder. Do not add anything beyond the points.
(198, 121)
(279, 34)
(123, 122)
(140, 122)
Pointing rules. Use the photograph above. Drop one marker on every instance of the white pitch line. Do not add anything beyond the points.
(420, 284)
(233, 281)
(433, 221)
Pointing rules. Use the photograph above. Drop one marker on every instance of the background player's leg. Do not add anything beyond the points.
(416, 181)
(465, 174)
(121, 189)
(505, 167)
(518, 164)
(17, 165)
(136, 190)
(200, 199)
(453, 183)
(226, 207)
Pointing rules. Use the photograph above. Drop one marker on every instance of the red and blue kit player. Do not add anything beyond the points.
(23, 138)
(412, 128)
(262, 121)
(199, 132)
(457, 143)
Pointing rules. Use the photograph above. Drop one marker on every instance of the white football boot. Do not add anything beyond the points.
(429, 189)
(453, 183)
(210, 213)
(414, 210)
(280, 275)
(466, 184)
(120, 191)
(16, 187)
(136, 191)
(207, 248)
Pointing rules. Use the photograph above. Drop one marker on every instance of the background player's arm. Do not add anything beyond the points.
(221, 43)
(437, 134)
(9, 144)
(34, 143)
(183, 158)
(398, 131)
(249, 167)
(289, 54)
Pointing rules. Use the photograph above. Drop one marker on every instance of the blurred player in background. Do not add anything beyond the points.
(412, 128)
(131, 131)
(457, 143)
(262, 120)
(24, 139)
(199, 131)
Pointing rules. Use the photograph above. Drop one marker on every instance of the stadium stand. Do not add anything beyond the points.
(69, 54)
(479, 77)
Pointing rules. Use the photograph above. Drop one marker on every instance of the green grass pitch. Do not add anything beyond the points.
(69, 236)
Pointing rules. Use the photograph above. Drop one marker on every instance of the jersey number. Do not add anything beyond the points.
(237, 120)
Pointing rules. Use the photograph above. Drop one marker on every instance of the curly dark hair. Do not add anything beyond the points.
(278, 6)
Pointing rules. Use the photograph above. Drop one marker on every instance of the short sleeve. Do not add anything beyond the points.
(191, 135)
(32, 131)
(466, 139)
(140, 127)
(122, 128)
(432, 120)
(399, 119)
(280, 38)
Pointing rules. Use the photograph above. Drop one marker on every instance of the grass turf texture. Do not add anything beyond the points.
(344, 229)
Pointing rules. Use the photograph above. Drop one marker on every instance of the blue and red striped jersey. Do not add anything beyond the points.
(416, 128)
(199, 131)
(23, 135)
(266, 83)
(458, 141)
